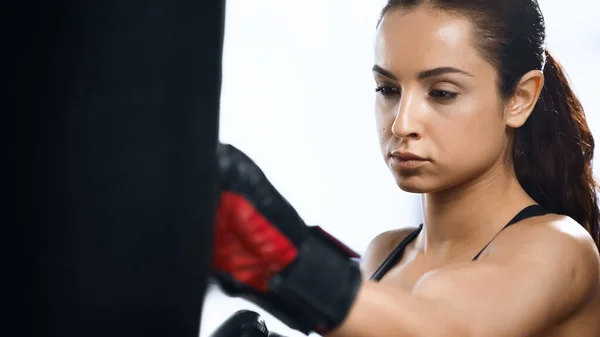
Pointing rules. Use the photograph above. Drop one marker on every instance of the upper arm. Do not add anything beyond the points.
(548, 273)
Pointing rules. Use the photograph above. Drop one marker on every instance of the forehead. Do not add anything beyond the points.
(424, 38)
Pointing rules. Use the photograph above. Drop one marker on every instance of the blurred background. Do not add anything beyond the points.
(298, 97)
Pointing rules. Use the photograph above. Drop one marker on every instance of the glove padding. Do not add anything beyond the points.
(264, 252)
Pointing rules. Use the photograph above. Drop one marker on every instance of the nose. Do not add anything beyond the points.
(406, 124)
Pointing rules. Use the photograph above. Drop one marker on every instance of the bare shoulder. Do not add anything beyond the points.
(535, 275)
(554, 245)
(549, 234)
(380, 247)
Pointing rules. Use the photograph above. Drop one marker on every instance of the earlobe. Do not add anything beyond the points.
(526, 95)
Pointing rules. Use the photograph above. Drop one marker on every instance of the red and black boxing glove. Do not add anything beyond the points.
(264, 252)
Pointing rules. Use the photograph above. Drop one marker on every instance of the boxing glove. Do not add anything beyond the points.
(244, 323)
(264, 252)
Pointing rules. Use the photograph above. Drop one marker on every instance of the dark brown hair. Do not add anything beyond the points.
(553, 150)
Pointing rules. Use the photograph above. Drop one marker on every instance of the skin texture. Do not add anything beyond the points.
(540, 277)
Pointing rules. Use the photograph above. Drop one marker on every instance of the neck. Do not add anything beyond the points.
(463, 219)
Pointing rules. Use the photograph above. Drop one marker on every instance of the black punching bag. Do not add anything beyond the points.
(117, 123)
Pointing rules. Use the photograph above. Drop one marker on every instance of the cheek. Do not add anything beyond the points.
(475, 133)
(384, 119)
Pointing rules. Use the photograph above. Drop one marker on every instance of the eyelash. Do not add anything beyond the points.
(386, 91)
(443, 94)
(437, 94)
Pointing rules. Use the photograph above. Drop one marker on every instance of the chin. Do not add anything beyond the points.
(419, 181)
(413, 189)
(412, 185)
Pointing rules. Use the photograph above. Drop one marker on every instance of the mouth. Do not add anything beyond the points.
(406, 160)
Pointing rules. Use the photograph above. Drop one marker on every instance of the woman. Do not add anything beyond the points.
(474, 114)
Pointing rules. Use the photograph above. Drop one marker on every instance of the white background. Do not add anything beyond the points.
(298, 98)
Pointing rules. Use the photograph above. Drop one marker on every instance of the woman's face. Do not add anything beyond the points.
(437, 100)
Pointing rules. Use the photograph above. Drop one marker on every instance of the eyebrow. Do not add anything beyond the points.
(423, 74)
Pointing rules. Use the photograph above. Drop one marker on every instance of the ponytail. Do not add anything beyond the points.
(553, 152)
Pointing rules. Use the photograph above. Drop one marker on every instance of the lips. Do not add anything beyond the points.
(406, 161)
(406, 156)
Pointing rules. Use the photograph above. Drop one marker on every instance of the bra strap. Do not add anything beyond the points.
(395, 255)
(525, 213)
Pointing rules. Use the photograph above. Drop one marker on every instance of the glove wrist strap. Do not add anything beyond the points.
(322, 284)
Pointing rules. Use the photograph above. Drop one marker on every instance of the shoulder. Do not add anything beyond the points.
(556, 247)
(535, 274)
(551, 234)
(380, 248)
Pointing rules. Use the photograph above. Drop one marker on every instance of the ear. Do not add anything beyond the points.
(520, 106)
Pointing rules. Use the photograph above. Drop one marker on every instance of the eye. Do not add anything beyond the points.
(443, 94)
(387, 91)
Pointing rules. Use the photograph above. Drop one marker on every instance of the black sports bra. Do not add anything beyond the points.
(398, 252)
